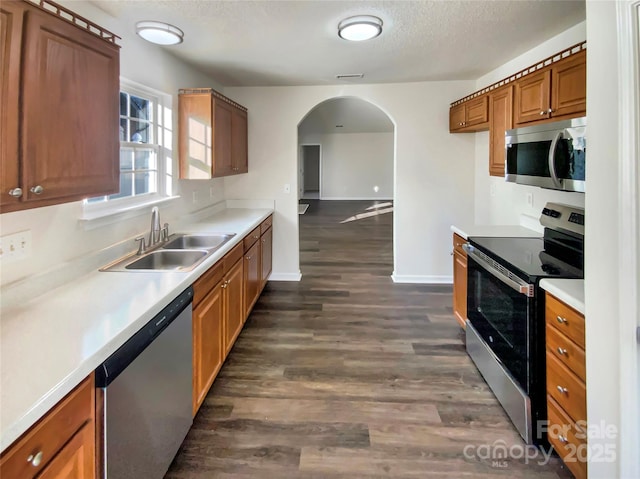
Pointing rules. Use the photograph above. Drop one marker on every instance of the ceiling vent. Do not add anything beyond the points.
(350, 75)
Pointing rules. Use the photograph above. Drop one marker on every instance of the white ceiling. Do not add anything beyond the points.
(295, 42)
(355, 116)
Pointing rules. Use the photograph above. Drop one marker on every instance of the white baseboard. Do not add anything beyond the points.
(418, 279)
(285, 276)
(354, 198)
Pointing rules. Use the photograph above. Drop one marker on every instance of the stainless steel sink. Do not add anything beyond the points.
(182, 260)
(200, 241)
(183, 252)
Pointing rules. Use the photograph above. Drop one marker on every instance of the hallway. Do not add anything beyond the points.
(348, 375)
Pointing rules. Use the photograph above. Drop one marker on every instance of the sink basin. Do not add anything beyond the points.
(169, 260)
(210, 242)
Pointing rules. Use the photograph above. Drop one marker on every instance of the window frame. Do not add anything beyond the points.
(161, 134)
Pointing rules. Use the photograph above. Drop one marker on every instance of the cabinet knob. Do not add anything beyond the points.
(15, 192)
(550, 110)
(562, 439)
(562, 390)
(37, 190)
(35, 459)
(561, 320)
(543, 113)
(264, 240)
(562, 352)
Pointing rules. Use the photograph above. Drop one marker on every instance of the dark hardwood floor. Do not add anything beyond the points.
(348, 375)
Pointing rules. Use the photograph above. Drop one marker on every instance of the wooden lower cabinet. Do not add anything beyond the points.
(60, 445)
(266, 255)
(208, 349)
(233, 305)
(252, 276)
(459, 280)
(566, 386)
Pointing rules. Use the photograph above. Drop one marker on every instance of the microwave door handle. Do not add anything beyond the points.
(499, 272)
(552, 160)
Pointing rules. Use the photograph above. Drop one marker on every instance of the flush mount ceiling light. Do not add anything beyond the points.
(359, 28)
(159, 33)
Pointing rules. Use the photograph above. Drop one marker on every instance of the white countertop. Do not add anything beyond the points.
(569, 291)
(50, 342)
(495, 230)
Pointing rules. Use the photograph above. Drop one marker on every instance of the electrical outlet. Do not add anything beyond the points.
(530, 199)
(15, 246)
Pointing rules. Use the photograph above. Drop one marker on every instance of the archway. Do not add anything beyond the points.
(346, 166)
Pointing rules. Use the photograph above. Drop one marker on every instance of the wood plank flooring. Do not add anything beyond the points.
(348, 375)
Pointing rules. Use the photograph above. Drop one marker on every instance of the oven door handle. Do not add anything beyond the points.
(499, 271)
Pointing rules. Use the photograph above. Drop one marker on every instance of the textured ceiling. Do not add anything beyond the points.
(355, 116)
(271, 42)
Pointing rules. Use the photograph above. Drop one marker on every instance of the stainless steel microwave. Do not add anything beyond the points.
(551, 155)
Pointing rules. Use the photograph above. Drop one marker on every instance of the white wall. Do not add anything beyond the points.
(354, 163)
(602, 241)
(434, 177)
(57, 234)
(499, 202)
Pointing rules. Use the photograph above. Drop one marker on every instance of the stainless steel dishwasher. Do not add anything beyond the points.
(146, 391)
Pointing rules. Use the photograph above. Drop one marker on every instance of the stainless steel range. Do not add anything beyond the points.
(505, 331)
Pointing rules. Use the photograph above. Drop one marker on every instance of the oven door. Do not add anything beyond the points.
(500, 307)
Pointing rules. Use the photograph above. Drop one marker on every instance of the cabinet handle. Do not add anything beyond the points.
(225, 284)
(561, 320)
(35, 459)
(562, 439)
(562, 352)
(543, 113)
(15, 192)
(550, 110)
(256, 236)
(562, 390)
(37, 190)
(264, 240)
(248, 258)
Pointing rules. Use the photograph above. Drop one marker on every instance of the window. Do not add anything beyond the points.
(145, 140)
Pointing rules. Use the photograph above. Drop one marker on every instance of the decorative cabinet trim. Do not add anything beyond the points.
(211, 91)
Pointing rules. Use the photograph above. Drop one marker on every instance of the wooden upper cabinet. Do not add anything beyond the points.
(11, 16)
(68, 84)
(472, 115)
(559, 91)
(569, 86)
(501, 115)
(239, 142)
(212, 134)
(532, 97)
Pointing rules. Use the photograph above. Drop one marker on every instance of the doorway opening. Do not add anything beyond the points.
(310, 172)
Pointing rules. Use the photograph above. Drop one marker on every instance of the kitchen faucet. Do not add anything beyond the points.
(156, 234)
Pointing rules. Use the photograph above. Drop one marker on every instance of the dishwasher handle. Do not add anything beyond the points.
(109, 370)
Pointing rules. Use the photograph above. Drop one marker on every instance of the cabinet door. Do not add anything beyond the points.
(234, 305)
(239, 148)
(76, 460)
(456, 117)
(70, 143)
(477, 111)
(532, 100)
(207, 343)
(11, 15)
(460, 288)
(252, 276)
(569, 86)
(222, 112)
(194, 133)
(266, 242)
(501, 115)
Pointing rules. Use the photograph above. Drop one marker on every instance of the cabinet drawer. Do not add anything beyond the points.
(566, 388)
(251, 238)
(458, 241)
(567, 320)
(207, 282)
(50, 434)
(567, 439)
(266, 224)
(566, 351)
(233, 256)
